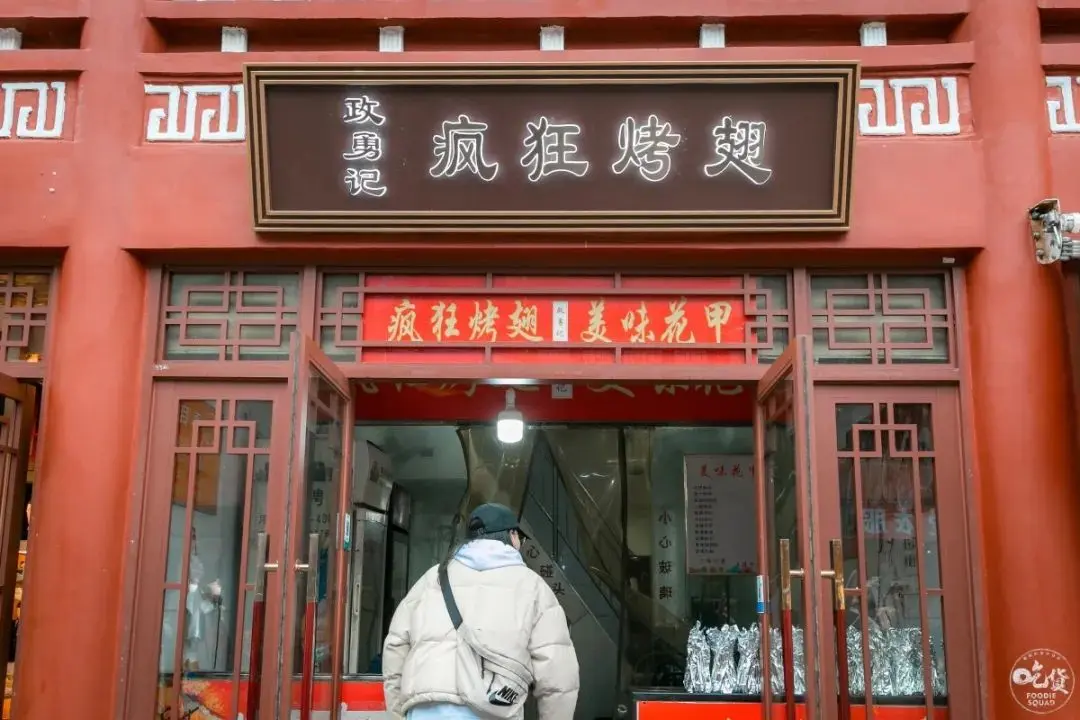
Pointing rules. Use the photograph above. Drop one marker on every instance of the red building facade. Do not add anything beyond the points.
(126, 224)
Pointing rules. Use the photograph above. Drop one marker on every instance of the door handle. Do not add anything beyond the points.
(307, 677)
(311, 568)
(836, 574)
(786, 573)
(787, 639)
(263, 565)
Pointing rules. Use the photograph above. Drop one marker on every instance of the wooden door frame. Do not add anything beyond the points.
(13, 499)
(953, 540)
(794, 363)
(154, 532)
(309, 361)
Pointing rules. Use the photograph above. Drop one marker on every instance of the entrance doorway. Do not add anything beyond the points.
(18, 428)
(303, 525)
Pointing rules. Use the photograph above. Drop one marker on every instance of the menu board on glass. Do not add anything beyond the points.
(721, 528)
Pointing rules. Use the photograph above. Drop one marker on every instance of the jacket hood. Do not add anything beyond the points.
(487, 555)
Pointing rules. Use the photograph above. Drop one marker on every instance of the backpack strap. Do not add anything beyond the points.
(448, 596)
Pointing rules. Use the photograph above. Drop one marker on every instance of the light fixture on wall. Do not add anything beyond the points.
(510, 425)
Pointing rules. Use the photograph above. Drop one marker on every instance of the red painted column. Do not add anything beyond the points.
(1027, 477)
(68, 645)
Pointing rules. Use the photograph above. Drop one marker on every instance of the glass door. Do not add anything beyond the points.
(318, 532)
(788, 599)
(211, 543)
(892, 500)
(17, 416)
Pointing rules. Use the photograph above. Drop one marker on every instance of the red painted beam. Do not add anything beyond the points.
(1061, 55)
(46, 9)
(941, 58)
(897, 205)
(403, 10)
(48, 62)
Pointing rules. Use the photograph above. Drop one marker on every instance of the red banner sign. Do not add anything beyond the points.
(554, 319)
(686, 404)
(527, 319)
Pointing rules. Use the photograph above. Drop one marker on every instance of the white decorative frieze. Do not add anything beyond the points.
(1061, 104)
(33, 110)
(888, 107)
(920, 106)
(195, 113)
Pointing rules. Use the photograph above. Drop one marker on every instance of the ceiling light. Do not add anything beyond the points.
(510, 425)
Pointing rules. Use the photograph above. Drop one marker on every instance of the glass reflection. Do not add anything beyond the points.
(889, 519)
(321, 490)
(220, 472)
(782, 497)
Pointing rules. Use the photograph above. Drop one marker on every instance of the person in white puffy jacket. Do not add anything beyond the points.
(496, 593)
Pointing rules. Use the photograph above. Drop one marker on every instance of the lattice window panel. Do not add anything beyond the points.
(347, 331)
(24, 315)
(218, 506)
(886, 454)
(231, 316)
(883, 318)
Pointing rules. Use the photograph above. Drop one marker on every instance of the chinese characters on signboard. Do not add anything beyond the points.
(362, 174)
(721, 512)
(549, 148)
(552, 147)
(676, 320)
(543, 565)
(668, 575)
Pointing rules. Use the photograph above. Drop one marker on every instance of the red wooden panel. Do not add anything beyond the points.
(599, 319)
(685, 404)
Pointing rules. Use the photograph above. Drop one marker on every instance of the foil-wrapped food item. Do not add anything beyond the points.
(896, 663)
(799, 642)
(776, 660)
(881, 662)
(881, 676)
(856, 681)
(698, 675)
(937, 671)
(724, 643)
(728, 660)
(906, 655)
(748, 676)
